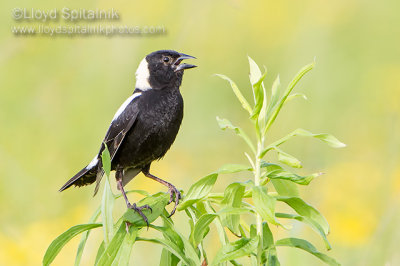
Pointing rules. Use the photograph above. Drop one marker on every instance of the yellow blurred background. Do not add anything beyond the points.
(58, 95)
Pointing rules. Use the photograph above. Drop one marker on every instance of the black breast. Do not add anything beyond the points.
(155, 129)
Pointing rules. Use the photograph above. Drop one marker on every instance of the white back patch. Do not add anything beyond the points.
(92, 163)
(142, 76)
(125, 104)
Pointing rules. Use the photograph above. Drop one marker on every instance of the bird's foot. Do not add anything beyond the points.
(139, 211)
(173, 191)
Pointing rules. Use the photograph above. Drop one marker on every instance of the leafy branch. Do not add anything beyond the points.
(255, 198)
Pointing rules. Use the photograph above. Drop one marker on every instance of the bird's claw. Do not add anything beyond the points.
(139, 211)
(173, 191)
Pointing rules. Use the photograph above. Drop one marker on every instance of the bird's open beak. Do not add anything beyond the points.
(183, 66)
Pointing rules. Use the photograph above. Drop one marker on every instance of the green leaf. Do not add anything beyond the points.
(124, 252)
(100, 252)
(84, 238)
(316, 227)
(111, 251)
(232, 210)
(306, 246)
(106, 160)
(201, 227)
(220, 229)
(157, 202)
(226, 124)
(238, 94)
(200, 208)
(274, 96)
(288, 159)
(264, 204)
(178, 245)
(234, 250)
(255, 72)
(296, 95)
(283, 157)
(107, 201)
(285, 188)
(233, 195)
(296, 79)
(169, 232)
(190, 251)
(168, 259)
(235, 263)
(172, 247)
(306, 210)
(327, 138)
(242, 232)
(259, 93)
(268, 239)
(270, 257)
(269, 166)
(288, 90)
(233, 168)
(285, 175)
(259, 96)
(58, 243)
(261, 121)
(272, 105)
(198, 191)
(107, 206)
(274, 171)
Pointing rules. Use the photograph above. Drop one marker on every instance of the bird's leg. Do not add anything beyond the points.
(172, 190)
(118, 175)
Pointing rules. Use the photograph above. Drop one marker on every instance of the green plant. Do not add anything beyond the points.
(254, 199)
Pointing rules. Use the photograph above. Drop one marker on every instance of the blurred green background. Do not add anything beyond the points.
(58, 95)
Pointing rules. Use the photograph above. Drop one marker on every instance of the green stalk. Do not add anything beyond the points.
(257, 180)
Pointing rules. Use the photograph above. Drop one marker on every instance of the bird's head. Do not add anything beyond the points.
(161, 69)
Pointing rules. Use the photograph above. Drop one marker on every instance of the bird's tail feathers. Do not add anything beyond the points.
(82, 178)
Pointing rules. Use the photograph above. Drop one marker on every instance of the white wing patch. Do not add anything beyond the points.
(142, 76)
(93, 163)
(125, 104)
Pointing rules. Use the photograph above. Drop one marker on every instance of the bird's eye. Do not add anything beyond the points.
(166, 59)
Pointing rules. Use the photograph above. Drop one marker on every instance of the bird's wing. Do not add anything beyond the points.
(122, 122)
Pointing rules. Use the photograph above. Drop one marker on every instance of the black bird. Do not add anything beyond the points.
(144, 127)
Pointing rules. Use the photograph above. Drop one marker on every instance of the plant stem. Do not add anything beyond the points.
(257, 180)
(257, 175)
